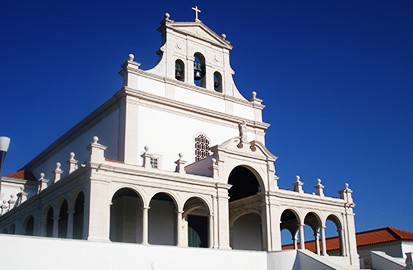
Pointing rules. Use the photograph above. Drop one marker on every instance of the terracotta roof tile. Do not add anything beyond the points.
(365, 238)
(22, 174)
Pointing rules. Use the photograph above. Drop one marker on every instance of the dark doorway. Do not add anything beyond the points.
(197, 231)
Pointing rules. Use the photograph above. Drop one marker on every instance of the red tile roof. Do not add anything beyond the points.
(22, 174)
(366, 238)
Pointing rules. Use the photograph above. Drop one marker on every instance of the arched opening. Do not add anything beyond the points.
(199, 70)
(12, 229)
(49, 222)
(29, 226)
(217, 82)
(78, 216)
(162, 220)
(196, 223)
(335, 237)
(63, 218)
(244, 184)
(246, 232)
(126, 217)
(243, 202)
(179, 70)
(289, 221)
(311, 231)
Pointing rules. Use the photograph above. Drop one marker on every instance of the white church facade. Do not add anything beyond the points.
(176, 157)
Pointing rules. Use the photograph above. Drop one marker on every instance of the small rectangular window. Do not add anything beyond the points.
(154, 163)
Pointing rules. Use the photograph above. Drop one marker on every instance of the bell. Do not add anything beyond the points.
(178, 75)
(216, 84)
(197, 75)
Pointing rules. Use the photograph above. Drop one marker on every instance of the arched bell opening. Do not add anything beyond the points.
(246, 232)
(335, 236)
(289, 221)
(63, 219)
(78, 216)
(312, 233)
(217, 82)
(162, 220)
(199, 70)
(179, 70)
(49, 222)
(126, 217)
(196, 223)
(29, 226)
(244, 198)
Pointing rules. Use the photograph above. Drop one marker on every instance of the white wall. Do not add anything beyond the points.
(106, 130)
(246, 233)
(169, 134)
(47, 253)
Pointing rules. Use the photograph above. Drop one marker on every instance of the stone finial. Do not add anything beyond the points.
(319, 188)
(276, 178)
(11, 201)
(180, 164)
(167, 16)
(131, 57)
(4, 207)
(41, 183)
(21, 196)
(72, 163)
(96, 152)
(254, 95)
(146, 158)
(298, 185)
(224, 36)
(57, 172)
(345, 194)
(146, 148)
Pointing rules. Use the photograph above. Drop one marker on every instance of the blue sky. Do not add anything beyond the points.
(336, 77)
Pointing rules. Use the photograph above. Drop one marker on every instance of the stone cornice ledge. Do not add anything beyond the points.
(138, 171)
(187, 107)
(292, 195)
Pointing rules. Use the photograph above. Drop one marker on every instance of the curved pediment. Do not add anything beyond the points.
(253, 148)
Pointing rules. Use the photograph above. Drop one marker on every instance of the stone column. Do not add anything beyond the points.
(210, 231)
(302, 241)
(70, 224)
(179, 240)
(323, 241)
(317, 242)
(223, 217)
(295, 240)
(145, 225)
(56, 226)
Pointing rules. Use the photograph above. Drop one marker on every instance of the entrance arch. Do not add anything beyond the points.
(126, 217)
(196, 223)
(162, 220)
(244, 204)
(334, 231)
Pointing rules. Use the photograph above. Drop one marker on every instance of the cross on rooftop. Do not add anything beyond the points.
(196, 12)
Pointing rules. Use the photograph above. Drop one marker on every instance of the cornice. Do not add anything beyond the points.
(192, 108)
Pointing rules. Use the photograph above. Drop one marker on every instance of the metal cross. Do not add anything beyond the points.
(196, 12)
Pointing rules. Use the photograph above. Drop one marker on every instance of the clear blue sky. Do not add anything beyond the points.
(336, 77)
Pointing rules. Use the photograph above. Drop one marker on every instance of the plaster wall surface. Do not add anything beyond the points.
(95, 255)
(246, 233)
(176, 133)
(107, 131)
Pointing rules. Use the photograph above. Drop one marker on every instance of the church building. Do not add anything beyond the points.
(176, 157)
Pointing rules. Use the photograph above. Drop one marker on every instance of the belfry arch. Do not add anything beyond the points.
(245, 201)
